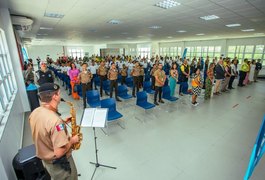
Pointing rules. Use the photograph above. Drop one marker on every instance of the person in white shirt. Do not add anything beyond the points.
(93, 69)
(130, 67)
(234, 74)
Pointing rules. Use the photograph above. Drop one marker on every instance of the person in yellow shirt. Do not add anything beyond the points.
(243, 72)
(196, 84)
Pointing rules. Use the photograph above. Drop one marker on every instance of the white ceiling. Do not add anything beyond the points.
(85, 21)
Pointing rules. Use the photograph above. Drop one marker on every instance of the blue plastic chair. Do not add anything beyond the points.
(166, 94)
(93, 98)
(129, 82)
(147, 87)
(113, 114)
(141, 101)
(79, 90)
(123, 92)
(106, 86)
(147, 77)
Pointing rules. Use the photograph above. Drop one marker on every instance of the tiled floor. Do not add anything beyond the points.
(176, 141)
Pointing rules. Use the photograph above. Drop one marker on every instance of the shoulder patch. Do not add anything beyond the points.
(60, 127)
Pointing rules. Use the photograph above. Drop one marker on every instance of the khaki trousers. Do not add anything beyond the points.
(57, 173)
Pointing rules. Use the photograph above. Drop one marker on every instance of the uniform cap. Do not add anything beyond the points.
(43, 62)
(49, 87)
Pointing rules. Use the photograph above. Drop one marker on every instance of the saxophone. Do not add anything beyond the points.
(75, 128)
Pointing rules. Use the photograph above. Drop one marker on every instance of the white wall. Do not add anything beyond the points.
(42, 51)
(10, 140)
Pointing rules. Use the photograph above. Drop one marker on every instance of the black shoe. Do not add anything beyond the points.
(117, 99)
(156, 103)
(107, 94)
(134, 96)
(161, 101)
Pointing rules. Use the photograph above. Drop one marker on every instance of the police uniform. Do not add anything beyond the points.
(102, 72)
(49, 132)
(141, 77)
(123, 75)
(85, 78)
(153, 77)
(135, 73)
(45, 77)
(160, 74)
(113, 76)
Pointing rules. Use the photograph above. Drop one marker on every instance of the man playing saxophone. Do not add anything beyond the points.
(52, 141)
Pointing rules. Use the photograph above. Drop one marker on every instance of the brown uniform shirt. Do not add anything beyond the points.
(161, 76)
(153, 70)
(141, 71)
(102, 70)
(113, 74)
(136, 71)
(85, 77)
(48, 132)
(124, 71)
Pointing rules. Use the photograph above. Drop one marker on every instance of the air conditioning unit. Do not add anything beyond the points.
(22, 23)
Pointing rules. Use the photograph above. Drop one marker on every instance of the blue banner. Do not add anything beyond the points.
(184, 54)
(257, 152)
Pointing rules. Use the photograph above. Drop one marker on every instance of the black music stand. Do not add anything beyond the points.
(95, 117)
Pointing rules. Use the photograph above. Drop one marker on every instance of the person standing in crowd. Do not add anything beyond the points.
(206, 65)
(243, 72)
(209, 81)
(85, 77)
(234, 74)
(29, 75)
(227, 75)
(252, 71)
(219, 76)
(155, 67)
(141, 77)
(124, 74)
(246, 80)
(93, 69)
(173, 79)
(73, 74)
(38, 62)
(44, 75)
(135, 73)
(102, 72)
(196, 84)
(257, 70)
(184, 76)
(52, 141)
(113, 76)
(160, 78)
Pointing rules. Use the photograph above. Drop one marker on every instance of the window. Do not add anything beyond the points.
(217, 51)
(79, 53)
(7, 80)
(144, 52)
(170, 51)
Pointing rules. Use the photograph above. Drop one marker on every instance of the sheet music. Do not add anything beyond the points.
(94, 117)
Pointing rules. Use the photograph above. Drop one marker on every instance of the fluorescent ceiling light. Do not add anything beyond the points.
(201, 34)
(167, 4)
(46, 28)
(247, 30)
(155, 27)
(233, 25)
(181, 31)
(53, 15)
(258, 34)
(42, 34)
(114, 21)
(209, 17)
